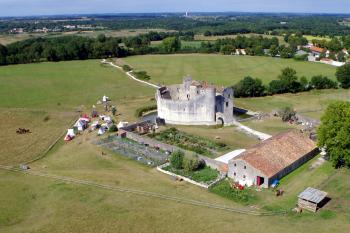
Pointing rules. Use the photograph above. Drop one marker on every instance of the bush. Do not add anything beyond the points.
(127, 68)
(287, 114)
(142, 75)
(113, 128)
(177, 159)
(249, 87)
(224, 189)
(322, 82)
(193, 164)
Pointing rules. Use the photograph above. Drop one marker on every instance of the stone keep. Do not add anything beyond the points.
(195, 103)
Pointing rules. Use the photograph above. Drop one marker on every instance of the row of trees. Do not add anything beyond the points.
(288, 82)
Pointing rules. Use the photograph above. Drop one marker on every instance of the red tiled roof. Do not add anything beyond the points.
(317, 49)
(278, 152)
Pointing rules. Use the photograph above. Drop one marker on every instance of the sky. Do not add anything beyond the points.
(52, 7)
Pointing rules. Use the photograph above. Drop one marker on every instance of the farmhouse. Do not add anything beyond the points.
(316, 51)
(195, 103)
(272, 159)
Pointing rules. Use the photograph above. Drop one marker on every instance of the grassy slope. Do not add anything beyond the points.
(310, 104)
(31, 92)
(30, 204)
(65, 85)
(219, 69)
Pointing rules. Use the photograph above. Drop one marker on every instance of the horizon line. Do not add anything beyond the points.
(174, 12)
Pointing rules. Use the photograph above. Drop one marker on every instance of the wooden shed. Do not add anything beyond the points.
(311, 199)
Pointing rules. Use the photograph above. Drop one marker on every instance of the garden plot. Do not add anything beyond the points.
(191, 142)
(142, 153)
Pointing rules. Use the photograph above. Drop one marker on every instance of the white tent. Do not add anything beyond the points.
(122, 124)
(80, 125)
(101, 130)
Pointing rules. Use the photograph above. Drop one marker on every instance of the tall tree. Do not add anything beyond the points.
(334, 133)
(171, 44)
(343, 75)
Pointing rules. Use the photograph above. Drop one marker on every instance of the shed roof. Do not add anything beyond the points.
(313, 195)
(278, 152)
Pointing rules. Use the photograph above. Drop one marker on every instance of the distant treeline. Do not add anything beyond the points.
(318, 25)
(64, 48)
(81, 48)
(289, 82)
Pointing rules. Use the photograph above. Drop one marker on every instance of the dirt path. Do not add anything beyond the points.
(129, 73)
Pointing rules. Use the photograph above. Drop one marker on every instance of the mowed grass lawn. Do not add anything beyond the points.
(221, 69)
(65, 85)
(311, 104)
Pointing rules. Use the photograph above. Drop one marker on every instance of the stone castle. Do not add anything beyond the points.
(195, 103)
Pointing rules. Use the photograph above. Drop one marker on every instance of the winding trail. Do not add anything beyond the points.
(129, 73)
(145, 193)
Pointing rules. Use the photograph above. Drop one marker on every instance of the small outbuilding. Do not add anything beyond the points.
(311, 199)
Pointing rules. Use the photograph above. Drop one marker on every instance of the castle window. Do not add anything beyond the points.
(243, 176)
(188, 96)
(235, 165)
(197, 92)
(229, 95)
(234, 173)
(226, 104)
(245, 167)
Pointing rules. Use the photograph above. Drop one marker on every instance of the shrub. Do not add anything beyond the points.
(142, 75)
(46, 118)
(113, 128)
(249, 87)
(224, 189)
(176, 159)
(193, 164)
(127, 68)
(287, 114)
(322, 82)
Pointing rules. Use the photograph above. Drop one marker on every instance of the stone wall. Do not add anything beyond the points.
(198, 110)
(239, 168)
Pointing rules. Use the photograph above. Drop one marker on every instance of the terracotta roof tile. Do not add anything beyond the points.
(274, 154)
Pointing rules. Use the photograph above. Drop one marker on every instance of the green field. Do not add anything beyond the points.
(220, 69)
(28, 203)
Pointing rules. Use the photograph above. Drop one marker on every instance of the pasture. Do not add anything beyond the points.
(56, 91)
(32, 92)
(220, 69)
(32, 204)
